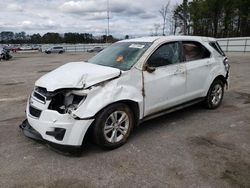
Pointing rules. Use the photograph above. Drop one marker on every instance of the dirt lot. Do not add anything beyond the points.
(193, 147)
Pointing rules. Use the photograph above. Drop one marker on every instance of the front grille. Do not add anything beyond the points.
(34, 112)
(39, 97)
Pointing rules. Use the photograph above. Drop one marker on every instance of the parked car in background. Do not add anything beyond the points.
(36, 47)
(55, 49)
(5, 54)
(26, 48)
(95, 49)
(14, 49)
(129, 82)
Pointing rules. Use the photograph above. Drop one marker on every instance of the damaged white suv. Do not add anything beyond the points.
(129, 82)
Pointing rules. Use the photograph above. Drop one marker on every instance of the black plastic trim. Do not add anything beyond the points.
(172, 109)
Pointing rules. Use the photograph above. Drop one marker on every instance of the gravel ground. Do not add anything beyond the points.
(193, 147)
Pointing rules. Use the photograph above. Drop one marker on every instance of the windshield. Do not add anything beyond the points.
(121, 55)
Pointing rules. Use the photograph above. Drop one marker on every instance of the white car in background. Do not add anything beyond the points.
(55, 49)
(129, 82)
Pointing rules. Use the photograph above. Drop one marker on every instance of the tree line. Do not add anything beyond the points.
(51, 37)
(225, 18)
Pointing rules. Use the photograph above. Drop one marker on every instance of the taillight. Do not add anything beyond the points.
(227, 66)
(226, 63)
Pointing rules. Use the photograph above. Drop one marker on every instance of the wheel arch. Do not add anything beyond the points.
(210, 81)
(209, 100)
(222, 78)
(133, 105)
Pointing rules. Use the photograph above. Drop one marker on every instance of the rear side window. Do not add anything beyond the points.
(166, 54)
(217, 47)
(194, 51)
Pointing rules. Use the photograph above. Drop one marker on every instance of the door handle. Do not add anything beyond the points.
(180, 70)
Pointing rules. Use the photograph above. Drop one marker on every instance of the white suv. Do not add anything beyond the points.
(55, 49)
(127, 83)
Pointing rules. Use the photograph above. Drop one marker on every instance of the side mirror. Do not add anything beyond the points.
(148, 68)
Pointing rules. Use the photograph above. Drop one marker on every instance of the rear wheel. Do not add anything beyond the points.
(215, 94)
(113, 126)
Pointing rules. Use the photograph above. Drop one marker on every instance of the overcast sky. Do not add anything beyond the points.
(132, 17)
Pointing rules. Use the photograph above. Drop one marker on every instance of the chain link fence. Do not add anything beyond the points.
(75, 47)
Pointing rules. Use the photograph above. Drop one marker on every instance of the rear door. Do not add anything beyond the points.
(198, 65)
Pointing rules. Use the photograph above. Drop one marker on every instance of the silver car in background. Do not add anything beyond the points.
(55, 49)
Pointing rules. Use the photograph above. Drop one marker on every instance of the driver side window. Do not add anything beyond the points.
(166, 54)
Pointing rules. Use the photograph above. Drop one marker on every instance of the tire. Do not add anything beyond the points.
(60, 52)
(115, 134)
(215, 94)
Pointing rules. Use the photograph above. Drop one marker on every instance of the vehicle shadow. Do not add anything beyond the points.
(169, 120)
(154, 124)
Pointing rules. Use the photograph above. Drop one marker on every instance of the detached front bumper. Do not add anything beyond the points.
(29, 131)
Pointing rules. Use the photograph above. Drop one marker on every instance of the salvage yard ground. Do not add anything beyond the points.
(194, 147)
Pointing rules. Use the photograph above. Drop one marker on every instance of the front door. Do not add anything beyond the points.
(166, 85)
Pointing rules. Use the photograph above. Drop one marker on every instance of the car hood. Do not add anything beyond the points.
(76, 75)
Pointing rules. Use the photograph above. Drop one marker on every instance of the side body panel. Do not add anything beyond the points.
(127, 87)
(217, 69)
(197, 73)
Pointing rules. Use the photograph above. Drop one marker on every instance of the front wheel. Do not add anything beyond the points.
(215, 95)
(113, 126)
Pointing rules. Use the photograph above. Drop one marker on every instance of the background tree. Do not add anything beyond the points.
(163, 12)
(36, 38)
(156, 29)
(52, 38)
(182, 16)
(227, 18)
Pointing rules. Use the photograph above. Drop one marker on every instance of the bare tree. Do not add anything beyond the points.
(163, 11)
(156, 27)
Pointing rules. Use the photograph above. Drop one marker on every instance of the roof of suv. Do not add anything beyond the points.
(168, 38)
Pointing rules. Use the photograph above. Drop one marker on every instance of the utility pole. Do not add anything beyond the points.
(108, 21)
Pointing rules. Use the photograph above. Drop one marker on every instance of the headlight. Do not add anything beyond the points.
(72, 102)
(67, 101)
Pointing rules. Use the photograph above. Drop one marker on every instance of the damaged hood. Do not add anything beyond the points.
(76, 75)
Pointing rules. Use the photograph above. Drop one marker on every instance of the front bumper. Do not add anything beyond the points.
(51, 121)
(29, 132)
(60, 130)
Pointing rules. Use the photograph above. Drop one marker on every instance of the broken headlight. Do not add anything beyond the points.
(67, 101)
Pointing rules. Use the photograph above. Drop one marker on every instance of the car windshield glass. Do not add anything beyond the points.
(121, 55)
